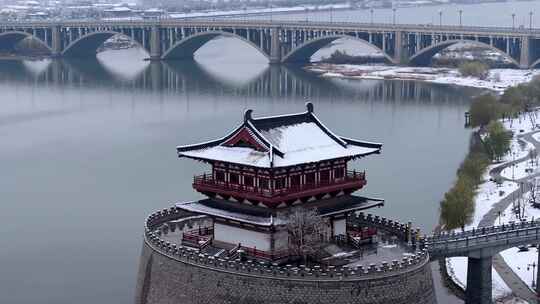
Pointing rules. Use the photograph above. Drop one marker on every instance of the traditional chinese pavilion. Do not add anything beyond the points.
(267, 165)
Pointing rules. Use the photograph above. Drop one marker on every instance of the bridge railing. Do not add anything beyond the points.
(506, 234)
(271, 23)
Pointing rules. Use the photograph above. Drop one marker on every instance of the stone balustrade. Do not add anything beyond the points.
(163, 221)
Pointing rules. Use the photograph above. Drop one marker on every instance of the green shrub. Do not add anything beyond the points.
(474, 69)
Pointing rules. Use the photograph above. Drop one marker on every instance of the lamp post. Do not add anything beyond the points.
(537, 270)
(533, 265)
(440, 18)
(513, 163)
(460, 14)
(331, 13)
(513, 21)
(371, 12)
(394, 15)
(530, 19)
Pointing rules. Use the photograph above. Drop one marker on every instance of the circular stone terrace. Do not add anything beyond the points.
(394, 252)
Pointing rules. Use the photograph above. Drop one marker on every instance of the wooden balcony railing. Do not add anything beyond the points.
(199, 238)
(263, 255)
(207, 183)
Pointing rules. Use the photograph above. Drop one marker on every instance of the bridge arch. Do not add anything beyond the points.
(88, 44)
(11, 38)
(186, 48)
(535, 64)
(303, 52)
(423, 57)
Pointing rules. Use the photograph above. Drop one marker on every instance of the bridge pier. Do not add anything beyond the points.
(400, 54)
(478, 281)
(56, 41)
(155, 43)
(275, 46)
(524, 56)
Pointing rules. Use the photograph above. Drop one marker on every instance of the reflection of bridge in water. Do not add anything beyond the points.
(192, 77)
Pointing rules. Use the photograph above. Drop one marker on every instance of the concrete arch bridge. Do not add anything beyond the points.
(280, 42)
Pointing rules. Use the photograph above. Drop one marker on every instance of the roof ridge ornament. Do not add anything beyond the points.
(247, 115)
(309, 106)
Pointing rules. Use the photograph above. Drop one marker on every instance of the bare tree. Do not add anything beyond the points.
(306, 229)
(533, 157)
(532, 119)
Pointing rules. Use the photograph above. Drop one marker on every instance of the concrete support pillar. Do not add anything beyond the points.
(524, 56)
(275, 46)
(56, 41)
(479, 281)
(400, 54)
(155, 43)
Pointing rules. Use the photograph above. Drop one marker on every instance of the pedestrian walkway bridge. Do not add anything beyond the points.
(480, 245)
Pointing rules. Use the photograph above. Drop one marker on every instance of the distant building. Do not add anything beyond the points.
(120, 11)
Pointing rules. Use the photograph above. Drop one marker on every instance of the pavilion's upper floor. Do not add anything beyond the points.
(278, 160)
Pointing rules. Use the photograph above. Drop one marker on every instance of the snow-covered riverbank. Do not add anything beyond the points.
(497, 80)
(489, 193)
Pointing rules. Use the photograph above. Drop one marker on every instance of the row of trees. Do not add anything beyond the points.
(457, 207)
(514, 100)
(490, 143)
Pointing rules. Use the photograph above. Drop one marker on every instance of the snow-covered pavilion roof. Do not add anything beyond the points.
(279, 141)
(265, 217)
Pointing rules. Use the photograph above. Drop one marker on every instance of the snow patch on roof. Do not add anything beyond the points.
(236, 216)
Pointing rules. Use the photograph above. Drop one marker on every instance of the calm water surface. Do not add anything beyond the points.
(478, 14)
(87, 150)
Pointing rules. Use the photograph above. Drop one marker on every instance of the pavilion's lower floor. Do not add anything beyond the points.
(265, 233)
(351, 248)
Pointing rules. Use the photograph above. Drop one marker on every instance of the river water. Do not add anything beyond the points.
(477, 14)
(87, 150)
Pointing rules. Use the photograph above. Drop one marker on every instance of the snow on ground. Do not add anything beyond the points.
(457, 269)
(488, 194)
(519, 170)
(523, 124)
(497, 80)
(518, 149)
(537, 136)
(528, 212)
(519, 261)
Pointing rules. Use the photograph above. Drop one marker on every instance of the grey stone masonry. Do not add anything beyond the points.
(169, 273)
(162, 279)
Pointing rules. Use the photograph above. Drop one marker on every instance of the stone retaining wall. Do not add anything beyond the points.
(169, 273)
